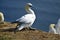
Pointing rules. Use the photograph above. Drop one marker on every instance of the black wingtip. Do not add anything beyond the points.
(14, 22)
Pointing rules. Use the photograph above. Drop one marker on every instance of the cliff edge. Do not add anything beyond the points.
(7, 33)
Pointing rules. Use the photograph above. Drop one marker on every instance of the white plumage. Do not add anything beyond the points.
(55, 28)
(28, 19)
(52, 29)
(1, 17)
(58, 26)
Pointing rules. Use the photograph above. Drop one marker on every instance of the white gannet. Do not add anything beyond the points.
(58, 26)
(52, 29)
(1, 17)
(27, 20)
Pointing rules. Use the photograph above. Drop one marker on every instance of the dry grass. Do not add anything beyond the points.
(24, 35)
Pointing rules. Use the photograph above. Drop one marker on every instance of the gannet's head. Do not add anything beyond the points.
(52, 25)
(28, 5)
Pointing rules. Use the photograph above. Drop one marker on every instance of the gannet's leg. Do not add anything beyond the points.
(32, 28)
(18, 28)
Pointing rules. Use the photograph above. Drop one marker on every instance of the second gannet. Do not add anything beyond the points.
(52, 29)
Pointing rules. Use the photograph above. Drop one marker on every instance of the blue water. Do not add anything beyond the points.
(47, 11)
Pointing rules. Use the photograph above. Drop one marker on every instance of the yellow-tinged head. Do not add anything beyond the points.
(28, 5)
(52, 25)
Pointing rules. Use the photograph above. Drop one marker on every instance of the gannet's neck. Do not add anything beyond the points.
(54, 30)
(29, 10)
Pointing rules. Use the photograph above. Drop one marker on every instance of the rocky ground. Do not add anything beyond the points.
(7, 33)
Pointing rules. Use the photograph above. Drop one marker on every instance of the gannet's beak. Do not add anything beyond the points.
(29, 4)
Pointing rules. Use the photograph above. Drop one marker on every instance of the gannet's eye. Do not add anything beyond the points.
(54, 26)
(30, 6)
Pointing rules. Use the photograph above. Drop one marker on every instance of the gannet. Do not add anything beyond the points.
(27, 20)
(58, 26)
(1, 17)
(52, 29)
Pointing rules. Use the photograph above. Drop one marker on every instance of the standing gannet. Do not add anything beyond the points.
(1, 17)
(27, 20)
(58, 26)
(52, 29)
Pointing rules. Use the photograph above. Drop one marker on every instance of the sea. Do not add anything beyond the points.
(47, 11)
